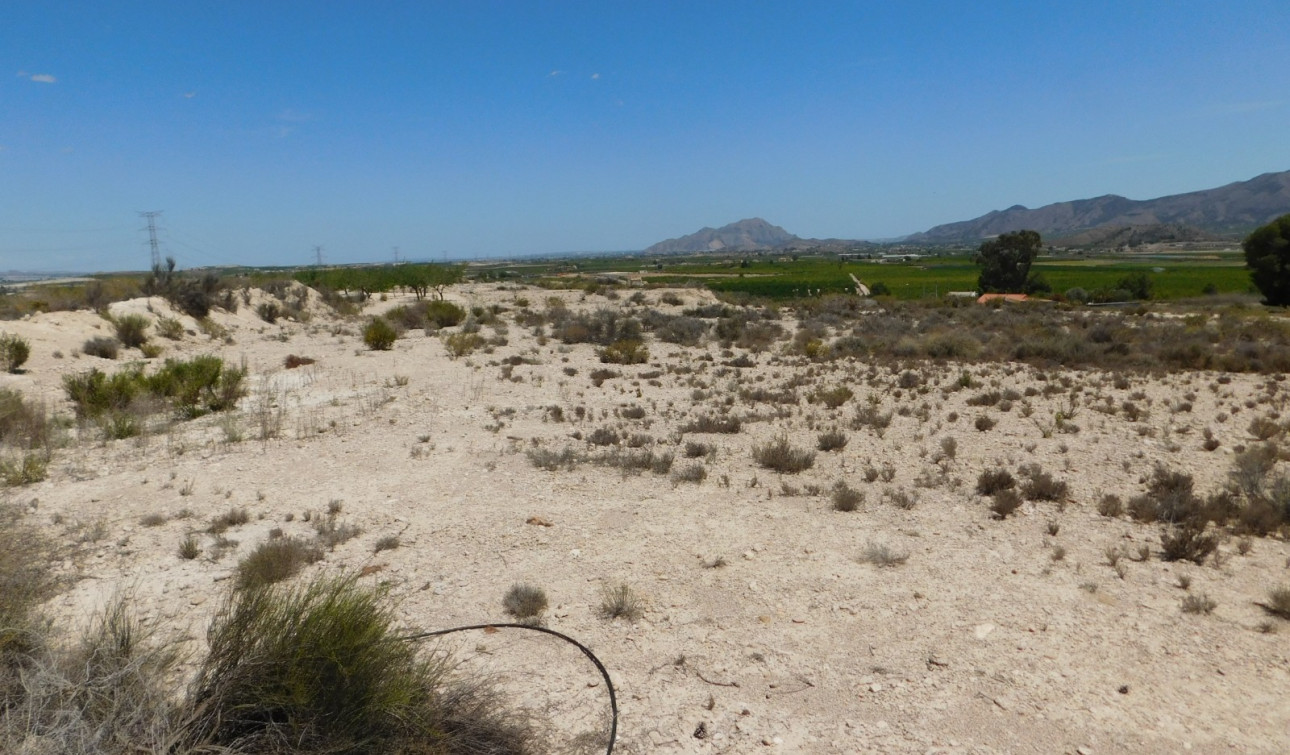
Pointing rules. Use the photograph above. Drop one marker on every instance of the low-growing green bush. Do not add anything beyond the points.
(444, 314)
(379, 334)
(192, 387)
(320, 668)
(131, 330)
(14, 352)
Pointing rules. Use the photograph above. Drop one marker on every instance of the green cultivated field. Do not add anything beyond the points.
(1173, 278)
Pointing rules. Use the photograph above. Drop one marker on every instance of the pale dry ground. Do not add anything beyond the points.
(980, 642)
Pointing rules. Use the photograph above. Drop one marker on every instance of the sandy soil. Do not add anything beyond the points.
(994, 636)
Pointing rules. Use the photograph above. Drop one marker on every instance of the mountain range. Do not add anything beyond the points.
(1226, 212)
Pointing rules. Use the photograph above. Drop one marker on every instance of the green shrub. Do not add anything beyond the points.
(200, 385)
(379, 334)
(320, 668)
(14, 351)
(94, 392)
(445, 314)
(131, 330)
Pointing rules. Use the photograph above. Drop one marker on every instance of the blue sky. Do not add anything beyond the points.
(505, 128)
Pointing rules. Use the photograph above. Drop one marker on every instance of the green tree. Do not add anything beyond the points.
(1139, 285)
(1267, 255)
(1005, 261)
(421, 279)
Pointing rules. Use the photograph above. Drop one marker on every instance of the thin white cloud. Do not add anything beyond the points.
(189, 95)
(595, 76)
(554, 73)
(44, 78)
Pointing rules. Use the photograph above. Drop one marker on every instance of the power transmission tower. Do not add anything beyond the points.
(318, 255)
(396, 255)
(152, 237)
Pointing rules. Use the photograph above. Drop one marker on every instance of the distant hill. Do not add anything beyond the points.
(751, 234)
(1228, 211)
(746, 235)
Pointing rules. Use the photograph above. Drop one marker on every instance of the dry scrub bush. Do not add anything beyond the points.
(551, 460)
(1279, 602)
(524, 601)
(695, 473)
(620, 601)
(1198, 604)
(993, 480)
(710, 424)
(274, 561)
(1187, 542)
(782, 457)
(1042, 486)
(107, 691)
(883, 555)
(845, 497)
(832, 439)
(1004, 502)
(102, 347)
(625, 351)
